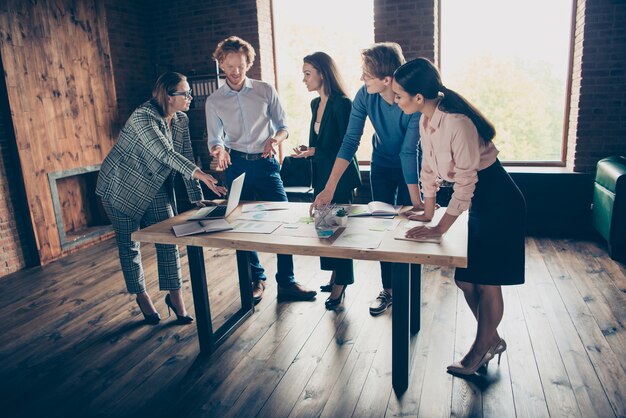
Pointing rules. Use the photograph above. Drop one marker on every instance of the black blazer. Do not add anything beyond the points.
(327, 143)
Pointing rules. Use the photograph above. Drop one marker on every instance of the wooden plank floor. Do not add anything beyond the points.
(72, 343)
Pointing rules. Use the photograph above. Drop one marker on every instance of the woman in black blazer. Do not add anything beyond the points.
(329, 121)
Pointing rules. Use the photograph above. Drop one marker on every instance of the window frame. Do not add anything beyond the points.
(568, 96)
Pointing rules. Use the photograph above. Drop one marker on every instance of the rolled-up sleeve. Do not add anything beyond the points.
(428, 177)
(465, 149)
(277, 113)
(214, 126)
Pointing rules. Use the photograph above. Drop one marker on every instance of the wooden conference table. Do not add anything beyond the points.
(406, 290)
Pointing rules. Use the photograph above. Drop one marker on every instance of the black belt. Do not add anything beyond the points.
(246, 156)
(444, 183)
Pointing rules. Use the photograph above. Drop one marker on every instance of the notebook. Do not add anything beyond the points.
(401, 232)
(374, 208)
(221, 211)
(198, 227)
(401, 236)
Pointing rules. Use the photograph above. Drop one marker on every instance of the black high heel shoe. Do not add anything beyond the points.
(152, 318)
(328, 287)
(332, 304)
(181, 319)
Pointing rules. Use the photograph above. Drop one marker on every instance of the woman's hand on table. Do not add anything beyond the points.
(423, 231)
(417, 216)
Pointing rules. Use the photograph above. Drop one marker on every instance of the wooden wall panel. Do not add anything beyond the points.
(61, 92)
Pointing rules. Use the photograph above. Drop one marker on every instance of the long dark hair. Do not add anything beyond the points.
(331, 78)
(421, 76)
(165, 85)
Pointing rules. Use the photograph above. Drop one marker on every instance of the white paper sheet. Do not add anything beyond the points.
(296, 230)
(373, 223)
(270, 216)
(254, 227)
(400, 233)
(255, 207)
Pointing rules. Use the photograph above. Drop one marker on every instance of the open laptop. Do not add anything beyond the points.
(222, 211)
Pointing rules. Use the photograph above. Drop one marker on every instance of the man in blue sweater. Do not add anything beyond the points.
(394, 167)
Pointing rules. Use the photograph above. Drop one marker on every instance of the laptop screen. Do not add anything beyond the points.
(222, 211)
(235, 194)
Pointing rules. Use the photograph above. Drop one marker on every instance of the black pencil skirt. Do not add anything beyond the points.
(496, 231)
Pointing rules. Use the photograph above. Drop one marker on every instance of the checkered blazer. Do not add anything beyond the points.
(143, 158)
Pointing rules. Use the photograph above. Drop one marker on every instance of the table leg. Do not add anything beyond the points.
(209, 339)
(401, 343)
(247, 304)
(245, 280)
(416, 297)
(197, 273)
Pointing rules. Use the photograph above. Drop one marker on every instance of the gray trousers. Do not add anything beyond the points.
(168, 259)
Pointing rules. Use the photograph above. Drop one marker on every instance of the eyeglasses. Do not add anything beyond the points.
(187, 94)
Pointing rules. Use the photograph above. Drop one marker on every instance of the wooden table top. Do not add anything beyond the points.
(452, 251)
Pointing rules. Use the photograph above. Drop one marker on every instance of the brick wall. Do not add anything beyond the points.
(131, 43)
(190, 31)
(411, 23)
(148, 38)
(600, 81)
(574, 100)
(194, 28)
(17, 242)
(266, 41)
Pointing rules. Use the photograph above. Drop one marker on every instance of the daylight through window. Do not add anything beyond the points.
(339, 28)
(511, 60)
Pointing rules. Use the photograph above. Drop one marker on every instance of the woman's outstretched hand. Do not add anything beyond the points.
(211, 182)
(303, 151)
(205, 203)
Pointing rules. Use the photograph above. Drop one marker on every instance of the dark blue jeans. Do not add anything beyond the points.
(262, 183)
(388, 186)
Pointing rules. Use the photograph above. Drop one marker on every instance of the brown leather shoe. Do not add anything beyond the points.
(257, 290)
(295, 291)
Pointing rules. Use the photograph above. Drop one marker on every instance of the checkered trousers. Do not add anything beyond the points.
(168, 259)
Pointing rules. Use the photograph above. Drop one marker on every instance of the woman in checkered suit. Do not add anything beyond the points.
(136, 187)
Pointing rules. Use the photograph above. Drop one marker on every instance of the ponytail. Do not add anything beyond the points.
(421, 76)
(453, 102)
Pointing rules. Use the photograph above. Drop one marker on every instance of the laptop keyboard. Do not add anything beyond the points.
(219, 211)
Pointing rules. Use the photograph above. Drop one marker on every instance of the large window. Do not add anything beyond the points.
(511, 59)
(339, 28)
